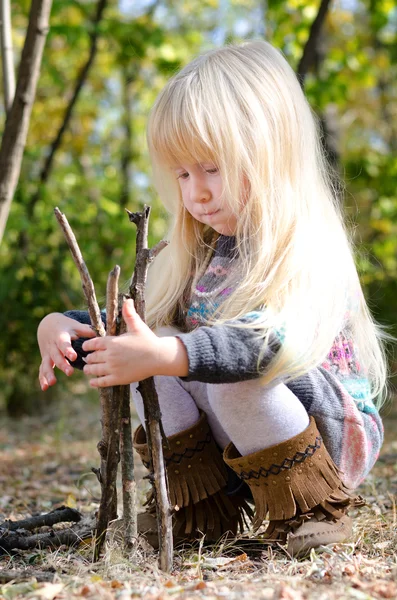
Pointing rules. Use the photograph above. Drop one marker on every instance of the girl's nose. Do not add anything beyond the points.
(200, 191)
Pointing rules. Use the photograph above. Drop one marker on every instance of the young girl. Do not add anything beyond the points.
(265, 356)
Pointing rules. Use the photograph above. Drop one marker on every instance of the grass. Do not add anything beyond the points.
(45, 462)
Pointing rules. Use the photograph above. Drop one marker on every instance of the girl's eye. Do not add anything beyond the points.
(182, 176)
(211, 171)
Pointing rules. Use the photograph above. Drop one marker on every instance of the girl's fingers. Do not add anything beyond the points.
(101, 382)
(98, 343)
(95, 357)
(64, 346)
(99, 370)
(60, 361)
(81, 330)
(46, 374)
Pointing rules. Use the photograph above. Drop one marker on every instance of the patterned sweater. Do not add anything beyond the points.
(336, 393)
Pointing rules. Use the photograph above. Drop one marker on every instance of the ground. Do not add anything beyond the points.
(46, 462)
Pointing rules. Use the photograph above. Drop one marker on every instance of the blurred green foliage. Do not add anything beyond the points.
(99, 169)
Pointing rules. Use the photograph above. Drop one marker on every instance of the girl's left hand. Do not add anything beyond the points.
(127, 358)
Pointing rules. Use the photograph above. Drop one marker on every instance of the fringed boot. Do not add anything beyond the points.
(297, 486)
(197, 477)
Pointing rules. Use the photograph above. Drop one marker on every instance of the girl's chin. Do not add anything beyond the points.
(223, 230)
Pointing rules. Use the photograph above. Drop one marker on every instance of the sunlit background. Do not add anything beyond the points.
(101, 165)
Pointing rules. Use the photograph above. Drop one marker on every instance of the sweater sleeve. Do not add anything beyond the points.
(81, 316)
(227, 353)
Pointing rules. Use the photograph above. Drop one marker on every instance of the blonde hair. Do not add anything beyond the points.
(242, 108)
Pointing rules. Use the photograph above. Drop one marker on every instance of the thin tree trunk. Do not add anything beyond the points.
(126, 151)
(7, 54)
(17, 123)
(81, 79)
(310, 52)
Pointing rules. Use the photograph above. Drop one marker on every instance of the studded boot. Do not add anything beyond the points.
(197, 477)
(297, 486)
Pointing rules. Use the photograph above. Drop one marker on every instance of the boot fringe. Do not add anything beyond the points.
(197, 476)
(196, 485)
(214, 516)
(292, 478)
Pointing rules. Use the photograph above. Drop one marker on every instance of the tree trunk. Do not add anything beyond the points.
(7, 54)
(17, 123)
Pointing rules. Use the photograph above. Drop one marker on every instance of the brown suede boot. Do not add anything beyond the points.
(298, 486)
(197, 477)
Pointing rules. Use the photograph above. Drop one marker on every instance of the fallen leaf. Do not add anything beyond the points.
(49, 591)
(13, 590)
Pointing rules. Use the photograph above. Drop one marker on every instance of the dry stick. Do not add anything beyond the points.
(149, 395)
(110, 426)
(53, 539)
(105, 394)
(127, 473)
(59, 515)
(130, 521)
(17, 576)
(88, 286)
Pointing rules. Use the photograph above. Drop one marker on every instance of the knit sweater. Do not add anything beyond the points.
(336, 393)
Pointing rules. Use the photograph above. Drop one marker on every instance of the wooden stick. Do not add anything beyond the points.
(53, 539)
(127, 473)
(149, 395)
(88, 286)
(58, 515)
(109, 444)
(109, 439)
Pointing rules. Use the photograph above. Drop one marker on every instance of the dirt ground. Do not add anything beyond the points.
(46, 462)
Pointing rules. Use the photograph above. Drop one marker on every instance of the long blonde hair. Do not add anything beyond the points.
(242, 108)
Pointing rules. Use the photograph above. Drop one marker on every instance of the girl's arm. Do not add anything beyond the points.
(227, 354)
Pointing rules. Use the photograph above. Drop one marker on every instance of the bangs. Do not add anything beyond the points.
(179, 130)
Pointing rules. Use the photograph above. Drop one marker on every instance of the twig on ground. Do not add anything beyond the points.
(70, 537)
(63, 514)
(17, 576)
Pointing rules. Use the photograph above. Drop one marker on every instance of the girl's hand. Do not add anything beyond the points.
(54, 335)
(134, 356)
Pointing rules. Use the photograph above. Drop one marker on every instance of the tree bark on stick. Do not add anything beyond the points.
(17, 123)
(144, 257)
(58, 515)
(7, 54)
(111, 416)
(127, 473)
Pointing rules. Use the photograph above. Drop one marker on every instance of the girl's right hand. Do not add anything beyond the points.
(54, 335)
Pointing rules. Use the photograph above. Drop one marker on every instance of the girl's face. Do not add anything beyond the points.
(201, 188)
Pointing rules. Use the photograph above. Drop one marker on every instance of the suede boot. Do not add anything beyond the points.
(197, 477)
(297, 486)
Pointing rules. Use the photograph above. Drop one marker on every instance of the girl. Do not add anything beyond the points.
(265, 356)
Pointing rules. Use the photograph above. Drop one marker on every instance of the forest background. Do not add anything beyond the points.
(86, 150)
